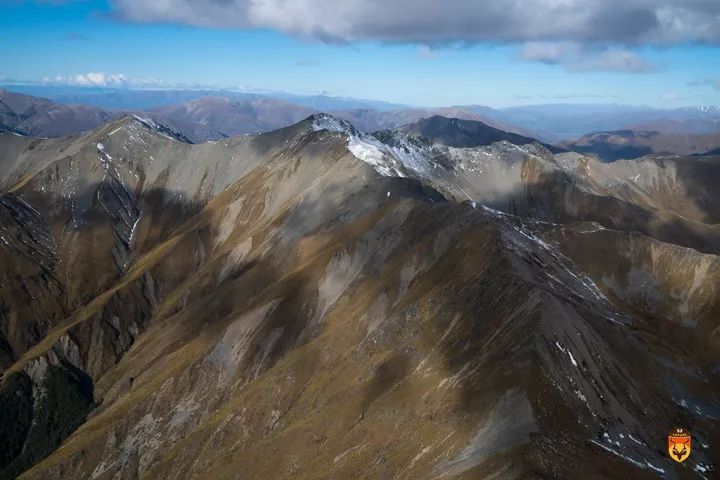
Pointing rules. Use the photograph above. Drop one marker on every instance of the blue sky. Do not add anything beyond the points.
(61, 41)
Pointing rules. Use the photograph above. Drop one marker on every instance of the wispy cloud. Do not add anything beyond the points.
(552, 53)
(671, 96)
(426, 52)
(706, 82)
(613, 60)
(102, 79)
(575, 57)
(119, 80)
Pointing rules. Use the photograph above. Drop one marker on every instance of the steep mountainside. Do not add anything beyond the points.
(628, 144)
(7, 129)
(316, 302)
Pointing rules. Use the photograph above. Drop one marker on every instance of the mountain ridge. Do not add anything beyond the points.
(317, 288)
(551, 123)
(462, 133)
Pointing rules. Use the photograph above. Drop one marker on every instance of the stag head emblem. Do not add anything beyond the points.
(679, 444)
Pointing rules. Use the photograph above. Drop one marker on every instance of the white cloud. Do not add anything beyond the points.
(102, 79)
(119, 80)
(90, 79)
(581, 35)
(606, 22)
(578, 58)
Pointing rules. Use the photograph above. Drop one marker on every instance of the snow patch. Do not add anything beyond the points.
(364, 147)
(638, 463)
(569, 353)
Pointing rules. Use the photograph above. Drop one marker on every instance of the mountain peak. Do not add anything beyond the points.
(325, 121)
(133, 121)
(462, 133)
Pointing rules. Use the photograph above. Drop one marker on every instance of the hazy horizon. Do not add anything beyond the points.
(35, 89)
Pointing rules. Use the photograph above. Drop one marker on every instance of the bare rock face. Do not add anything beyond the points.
(316, 302)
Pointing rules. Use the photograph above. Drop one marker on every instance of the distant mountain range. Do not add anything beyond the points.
(551, 123)
(128, 99)
(568, 121)
(40, 117)
(626, 144)
(208, 118)
(216, 117)
(212, 118)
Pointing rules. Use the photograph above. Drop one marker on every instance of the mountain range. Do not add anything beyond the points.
(551, 123)
(203, 119)
(562, 122)
(440, 300)
(218, 117)
(144, 99)
(45, 118)
(629, 144)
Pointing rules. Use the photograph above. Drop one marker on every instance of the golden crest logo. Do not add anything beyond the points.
(679, 444)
